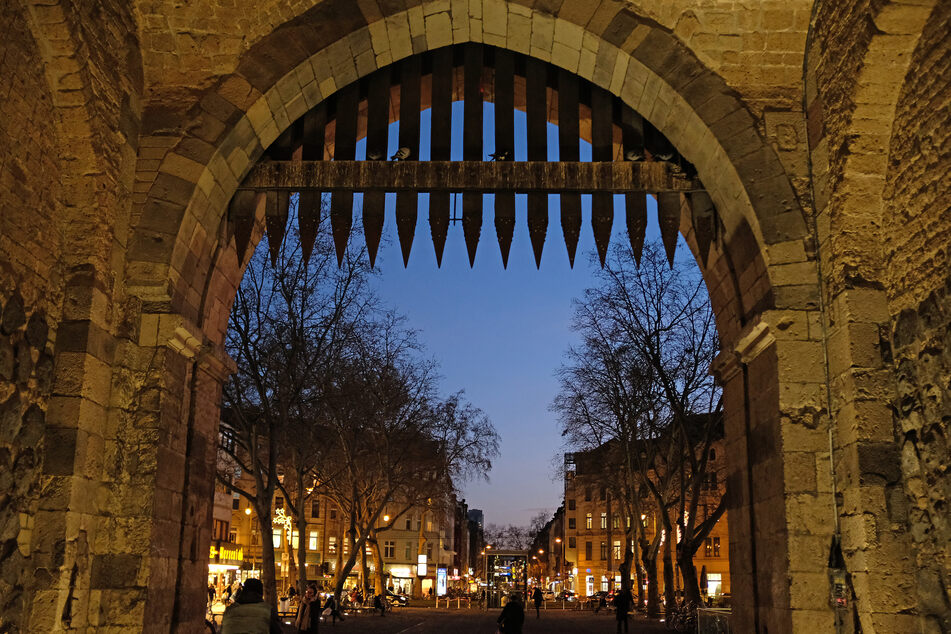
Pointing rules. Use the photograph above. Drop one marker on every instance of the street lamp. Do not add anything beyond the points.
(561, 559)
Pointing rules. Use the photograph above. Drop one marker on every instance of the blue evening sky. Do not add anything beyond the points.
(499, 334)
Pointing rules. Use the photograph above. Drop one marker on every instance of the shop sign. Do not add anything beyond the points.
(441, 585)
(226, 554)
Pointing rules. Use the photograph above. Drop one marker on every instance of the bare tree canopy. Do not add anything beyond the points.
(638, 389)
(333, 396)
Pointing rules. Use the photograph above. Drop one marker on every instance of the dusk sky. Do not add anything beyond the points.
(499, 334)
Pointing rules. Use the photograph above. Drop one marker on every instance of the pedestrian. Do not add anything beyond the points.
(513, 616)
(623, 601)
(537, 598)
(331, 609)
(249, 614)
(211, 593)
(308, 612)
(379, 604)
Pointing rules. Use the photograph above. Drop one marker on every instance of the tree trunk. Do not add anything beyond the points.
(649, 557)
(670, 597)
(267, 554)
(379, 585)
(638, 573)
(689, 572)
(364, 571)
(302, 543)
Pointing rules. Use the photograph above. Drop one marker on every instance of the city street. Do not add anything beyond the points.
(433, 621)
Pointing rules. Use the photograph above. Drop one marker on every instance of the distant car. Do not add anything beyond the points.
(566, 595)
(548, 595)
(397, 600)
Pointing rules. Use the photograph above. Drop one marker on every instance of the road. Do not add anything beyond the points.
(441, 621)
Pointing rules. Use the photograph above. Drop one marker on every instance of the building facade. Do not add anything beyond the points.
(597, 530)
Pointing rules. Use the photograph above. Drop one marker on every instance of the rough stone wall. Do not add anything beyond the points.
(30, 297)
(917, 239)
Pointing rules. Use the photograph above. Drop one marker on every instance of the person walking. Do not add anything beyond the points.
(513, 616)
(331, 604)
(537, 598)
(623, 601)
(308, 612)
(249, 614)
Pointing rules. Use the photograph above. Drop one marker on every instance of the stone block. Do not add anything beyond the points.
(119, 571)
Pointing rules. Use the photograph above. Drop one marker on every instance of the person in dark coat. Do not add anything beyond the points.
(331, 604)
(513, 616)
(249, 614)
(308, 612)
(623, 601)
(378, 604)
(537, 598)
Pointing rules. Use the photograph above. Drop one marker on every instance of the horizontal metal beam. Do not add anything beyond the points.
(472, 176)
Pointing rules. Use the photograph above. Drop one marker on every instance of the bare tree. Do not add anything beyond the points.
(641, 380)
(288, 323)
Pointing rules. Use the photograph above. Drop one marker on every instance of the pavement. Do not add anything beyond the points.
(474, 621)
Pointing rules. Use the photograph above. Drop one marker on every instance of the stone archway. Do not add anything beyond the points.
(183, 267)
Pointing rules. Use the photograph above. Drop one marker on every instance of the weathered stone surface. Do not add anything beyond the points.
(13, 315)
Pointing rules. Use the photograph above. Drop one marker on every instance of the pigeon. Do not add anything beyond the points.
(501, 155)
(401, 154)
(631, 155)
(375, 156)
(665, 157)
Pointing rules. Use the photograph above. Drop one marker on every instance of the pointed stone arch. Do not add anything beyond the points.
(183, 266)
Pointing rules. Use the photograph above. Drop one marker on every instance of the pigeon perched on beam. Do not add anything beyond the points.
(631, 155)
(375, 156)
(401, 154)
(501, 155)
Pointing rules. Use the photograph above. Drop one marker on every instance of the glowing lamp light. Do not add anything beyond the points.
(247, 511)
(386, 518)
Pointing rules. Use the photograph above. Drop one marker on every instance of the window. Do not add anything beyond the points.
(604, 493)
(295, 539)
(713, 454)
(276, 538)
(587, 494)
(604, 551)
(710, 481)
(587, 550)
(587, 521)
(233, 536)
(604, 521)
(617, 551)
(571, 523)
(313, 540)
(219, 530)
(254, 538)
(708, 547)
(429, 551)
(572, 542)
(346, 547)
(332, 546)
(429, 523)
(278, 502)
(615, 522)
(236, 502)
(408, 553)
(716, 546)
(389, 549)
(409, 523)
(315, 507)
(571, 504)
(333, 514)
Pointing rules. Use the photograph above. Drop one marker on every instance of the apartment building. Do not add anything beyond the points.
(595, 526)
